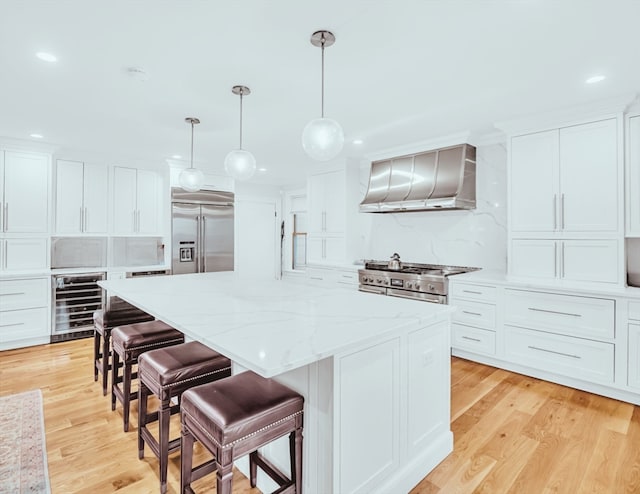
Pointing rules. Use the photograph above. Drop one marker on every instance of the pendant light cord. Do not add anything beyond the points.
(241, 92)
(191, 144)
(322, 85)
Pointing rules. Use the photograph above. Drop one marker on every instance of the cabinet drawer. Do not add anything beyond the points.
(474, 313)
(347, 277)
(574, 357)
(566, 314)
(475, 292)
(23, 294)
(634, 310)
(473, 339)
(23, 324)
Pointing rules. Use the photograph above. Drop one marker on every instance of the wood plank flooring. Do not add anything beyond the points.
(513, 434)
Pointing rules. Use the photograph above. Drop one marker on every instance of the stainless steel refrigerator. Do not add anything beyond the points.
(201, 231)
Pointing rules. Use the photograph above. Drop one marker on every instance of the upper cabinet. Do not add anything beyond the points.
(24, 192)
(81, 198)
(136, 201)
(566, 180)
(633, 176)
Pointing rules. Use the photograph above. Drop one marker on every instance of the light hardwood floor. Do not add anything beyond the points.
(513, 434)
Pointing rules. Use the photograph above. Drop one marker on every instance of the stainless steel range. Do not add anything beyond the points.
(428, 282)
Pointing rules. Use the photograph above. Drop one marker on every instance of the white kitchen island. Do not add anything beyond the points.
(374, 370)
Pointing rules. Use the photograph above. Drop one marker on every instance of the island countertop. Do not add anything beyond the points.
(272, 326)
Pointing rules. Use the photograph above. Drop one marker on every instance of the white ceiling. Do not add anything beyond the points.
(400, 71)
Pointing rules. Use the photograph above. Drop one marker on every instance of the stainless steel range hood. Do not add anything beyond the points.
(439, 179)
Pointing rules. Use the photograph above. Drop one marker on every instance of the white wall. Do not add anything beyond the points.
(468, 238)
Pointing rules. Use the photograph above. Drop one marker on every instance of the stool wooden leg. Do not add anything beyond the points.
(96, 353)
(186, 460)
(295, 441)
(143, 392)
(253, 468)
(164, 415)
(224, 474)
(126, 391)
(115, 366)
(106, 357)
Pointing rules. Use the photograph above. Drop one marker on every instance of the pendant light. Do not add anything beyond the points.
(191, 178)
(322, 138)
(239, 163)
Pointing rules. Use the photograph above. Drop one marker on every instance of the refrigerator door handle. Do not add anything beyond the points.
(202, 237)
(197, 246)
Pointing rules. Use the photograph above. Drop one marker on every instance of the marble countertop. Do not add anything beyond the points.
(272, 326)
(501, 278)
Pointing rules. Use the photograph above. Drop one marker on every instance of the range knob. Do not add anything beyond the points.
(431, 287)
(378, 280)
(417, 287)
(408, 285)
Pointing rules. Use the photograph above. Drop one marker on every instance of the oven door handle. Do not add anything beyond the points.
(415, 296)
(372, 289)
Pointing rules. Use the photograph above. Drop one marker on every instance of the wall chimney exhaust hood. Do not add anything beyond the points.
(440, 179)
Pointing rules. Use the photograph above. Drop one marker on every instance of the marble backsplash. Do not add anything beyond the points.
(465, 238)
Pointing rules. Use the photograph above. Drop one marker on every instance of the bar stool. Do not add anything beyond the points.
(167, 373)
(129, 342)
(103, 322)
(235, 416)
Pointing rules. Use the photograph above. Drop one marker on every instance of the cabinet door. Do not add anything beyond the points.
(534, 182)
(95, 198)
(25, 253)
(26, 192)
(69, 212)
(317, 213)
(589, 177)
(633, 178)
(536, 258)
(334, 249)
(124, 200)
(315, 248)
(334, 203)
(634, 356)
(147, 202)
(589, 260)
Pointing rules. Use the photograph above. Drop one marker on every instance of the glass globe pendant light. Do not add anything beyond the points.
(191, 178)
(239, 163)
(322, 138)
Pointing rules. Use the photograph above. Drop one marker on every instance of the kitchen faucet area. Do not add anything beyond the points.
(324, 248)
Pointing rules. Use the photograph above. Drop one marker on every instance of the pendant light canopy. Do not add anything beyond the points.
(322, 138)
(191, 178)
(239, 163)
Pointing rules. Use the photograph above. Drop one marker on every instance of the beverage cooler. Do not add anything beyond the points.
(75, 298)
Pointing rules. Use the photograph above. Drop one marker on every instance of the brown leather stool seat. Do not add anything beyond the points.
(236, 416)
(103, 323)
(129, 342)
(167, 373)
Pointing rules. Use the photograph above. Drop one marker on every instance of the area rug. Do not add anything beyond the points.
(23, 449)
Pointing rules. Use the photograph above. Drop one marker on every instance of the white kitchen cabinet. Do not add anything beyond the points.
(136, 201)
(81, 198)
(24, 192)
(24, 312)
(573, 260)
(634, 355)
(566, 180)
(475, 320)
(18, 254)
(325, 248)
(633, 177)
(326, 202)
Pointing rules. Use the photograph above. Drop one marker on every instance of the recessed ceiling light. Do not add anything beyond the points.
(262, 169)
(36, 136)
(357, 141)
(595, 78)
(47, 57)
(176, 157)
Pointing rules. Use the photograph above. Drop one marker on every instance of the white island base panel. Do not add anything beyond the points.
(376, 420)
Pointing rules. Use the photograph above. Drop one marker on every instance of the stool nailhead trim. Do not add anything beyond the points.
(170, 385)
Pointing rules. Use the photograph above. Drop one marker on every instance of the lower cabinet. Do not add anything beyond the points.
(634, 355)
(24, 312)
(325, 249)
(572, 260)
(474, 322)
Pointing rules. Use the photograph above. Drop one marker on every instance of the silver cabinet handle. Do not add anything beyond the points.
(471, 313)
(562, 211)
(139, 227)
(471, 291)
(324, 221)
(555, 212)
(6, 216)
(9, 325)
(554, 352)
(562, 260)
(555, 312)
(555, 259)
(86, 220)
(471, 339)
(11, 293)
(81, 219)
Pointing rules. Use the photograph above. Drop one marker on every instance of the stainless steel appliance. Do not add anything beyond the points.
(202, 231)
(75, 298)
(427, 282)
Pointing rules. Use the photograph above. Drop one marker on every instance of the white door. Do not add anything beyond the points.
(124, 200)
(257, 243)
(535, 258)
(589, 177)
(26, 197)
(534, 182)
(69, 208)
(590, 260)
(95, 198)
(147, 203)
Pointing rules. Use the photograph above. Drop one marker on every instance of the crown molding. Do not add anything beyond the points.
(419, 147)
